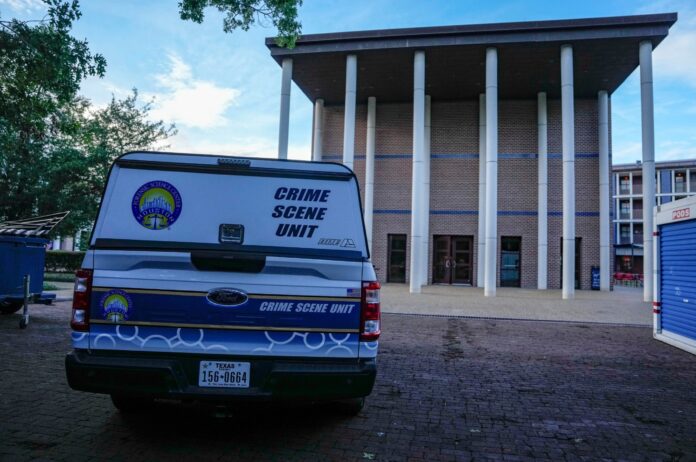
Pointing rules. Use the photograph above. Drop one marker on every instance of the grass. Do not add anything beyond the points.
(49, 286)
(59, 277)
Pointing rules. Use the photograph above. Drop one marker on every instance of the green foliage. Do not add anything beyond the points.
(59, 277)
(62, 261)
(55, 148)
(242, 14)
(41, 67)
(79, 161)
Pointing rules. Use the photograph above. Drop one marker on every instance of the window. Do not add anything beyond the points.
(692, 180)
(625, 210)
(665, 185)
(637, 184)
(680, 181)
(625, 234)
(396, 258)
(637, 233)
(624, 184)
(510, 261)
(637, 209)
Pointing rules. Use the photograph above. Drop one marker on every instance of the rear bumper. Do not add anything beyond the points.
(176, 376)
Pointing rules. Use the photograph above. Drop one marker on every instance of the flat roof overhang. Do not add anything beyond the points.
(605, 53)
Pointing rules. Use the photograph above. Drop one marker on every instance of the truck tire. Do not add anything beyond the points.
(10, 306)
(131, 404)
(350, 407)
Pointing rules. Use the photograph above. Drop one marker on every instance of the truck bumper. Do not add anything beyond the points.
(176, 376)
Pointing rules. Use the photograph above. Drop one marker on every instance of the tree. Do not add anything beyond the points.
(41, 67)
(79, 158)
(242, 14)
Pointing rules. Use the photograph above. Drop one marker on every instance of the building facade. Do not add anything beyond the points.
(673, 180)
(484, 151)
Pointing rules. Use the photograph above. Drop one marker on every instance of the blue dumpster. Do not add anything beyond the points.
(20, 256)
(22, 253)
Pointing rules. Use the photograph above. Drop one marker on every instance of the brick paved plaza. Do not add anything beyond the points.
(447, 389)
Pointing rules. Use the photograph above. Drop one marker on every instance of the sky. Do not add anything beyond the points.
(223, 90)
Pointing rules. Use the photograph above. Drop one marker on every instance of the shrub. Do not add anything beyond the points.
(63, 261)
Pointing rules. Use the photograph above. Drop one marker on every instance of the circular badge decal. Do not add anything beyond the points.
(156, 205)
(116, 305)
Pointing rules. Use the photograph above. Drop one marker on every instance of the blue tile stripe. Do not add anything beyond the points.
(501, 156)
(503, 213)
(520, 213)
(392, 212)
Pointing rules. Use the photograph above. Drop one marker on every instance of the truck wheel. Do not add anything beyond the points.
(131, 404)
(350, 407)
(10, 306)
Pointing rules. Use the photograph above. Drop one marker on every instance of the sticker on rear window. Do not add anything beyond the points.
(116, 305)
(156, 205)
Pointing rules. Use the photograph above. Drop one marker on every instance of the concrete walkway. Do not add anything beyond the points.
(64, 291)
(622, 306)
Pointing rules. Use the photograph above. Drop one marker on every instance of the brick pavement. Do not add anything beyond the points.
(447, 389)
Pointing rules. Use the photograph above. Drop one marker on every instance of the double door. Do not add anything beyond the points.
(452, 257)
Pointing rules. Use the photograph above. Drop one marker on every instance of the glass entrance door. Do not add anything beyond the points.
(452, 259)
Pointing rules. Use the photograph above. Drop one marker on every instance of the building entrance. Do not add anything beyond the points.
(452, 256)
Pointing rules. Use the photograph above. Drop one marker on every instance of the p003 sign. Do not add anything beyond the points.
(680, 214)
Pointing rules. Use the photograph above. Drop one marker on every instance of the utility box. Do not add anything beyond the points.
(674, 307)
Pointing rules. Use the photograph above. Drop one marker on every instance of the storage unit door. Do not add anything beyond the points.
(678, 271)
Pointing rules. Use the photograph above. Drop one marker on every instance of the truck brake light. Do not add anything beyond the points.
(370, 315)
(81, 297)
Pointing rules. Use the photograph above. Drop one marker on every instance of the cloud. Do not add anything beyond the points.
(245, 147)
(188, 101)
(673, 58)
(24, 6)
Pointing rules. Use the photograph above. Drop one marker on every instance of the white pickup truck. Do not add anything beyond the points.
(226, 278)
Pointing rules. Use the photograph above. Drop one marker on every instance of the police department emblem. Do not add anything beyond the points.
(116, 305)
(156, 205)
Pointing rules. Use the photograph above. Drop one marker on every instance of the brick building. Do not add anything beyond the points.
(457, 133)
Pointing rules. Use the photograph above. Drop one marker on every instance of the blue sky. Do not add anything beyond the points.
(223, 90)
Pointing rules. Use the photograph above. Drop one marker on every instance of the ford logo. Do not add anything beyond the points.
(227, 297)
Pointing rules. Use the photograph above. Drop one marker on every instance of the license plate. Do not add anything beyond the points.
(223, 374)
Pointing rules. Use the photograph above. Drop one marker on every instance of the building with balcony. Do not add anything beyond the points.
(673, 180)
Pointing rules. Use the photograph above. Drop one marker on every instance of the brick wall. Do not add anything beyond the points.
(454, 178)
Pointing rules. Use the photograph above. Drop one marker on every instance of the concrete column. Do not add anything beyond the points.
(68, 243)
(425, 235)
(648, 141)
(370, 167)
(568, 136)
(491, 254)
(349, 112)
(317, 152)
(604, 220)
(417, 176)
(284, 128)
(481, 265)
(543, 191)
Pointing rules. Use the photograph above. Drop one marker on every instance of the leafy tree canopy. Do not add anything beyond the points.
(55, 147)
(242, 14)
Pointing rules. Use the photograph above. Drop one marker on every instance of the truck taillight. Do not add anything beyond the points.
(370, 312)
(81, 296)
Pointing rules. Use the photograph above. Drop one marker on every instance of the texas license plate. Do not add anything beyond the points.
(223, 374)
